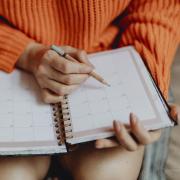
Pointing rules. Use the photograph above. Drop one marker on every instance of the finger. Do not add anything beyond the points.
(58, 88)
(142, 135)
(175, 112)
(68, 67)
(106, 143)
(49, 97)
(123, 136)
(78, 54)
(155, 135)
(83, 58)
(65, 66)
(68, 79)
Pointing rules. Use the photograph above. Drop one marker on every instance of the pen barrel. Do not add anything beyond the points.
(92, 73)
(67, 56)
(96, 76)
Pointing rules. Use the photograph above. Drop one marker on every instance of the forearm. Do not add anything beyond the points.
(12, 44)
(31, 56)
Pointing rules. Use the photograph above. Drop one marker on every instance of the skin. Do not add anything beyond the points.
(103, 159)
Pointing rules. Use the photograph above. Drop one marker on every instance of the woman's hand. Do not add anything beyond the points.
(55, 75)
(138, 135)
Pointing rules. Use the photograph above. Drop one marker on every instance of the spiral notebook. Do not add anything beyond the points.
(28, 126)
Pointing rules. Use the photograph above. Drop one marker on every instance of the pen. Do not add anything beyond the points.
(70, 58)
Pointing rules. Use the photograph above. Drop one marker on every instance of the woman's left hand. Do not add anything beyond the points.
(138, 136)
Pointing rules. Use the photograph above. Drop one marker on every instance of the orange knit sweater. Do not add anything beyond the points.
(153, 27)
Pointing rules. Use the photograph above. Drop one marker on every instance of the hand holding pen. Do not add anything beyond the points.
(56, 75)
(62, 53)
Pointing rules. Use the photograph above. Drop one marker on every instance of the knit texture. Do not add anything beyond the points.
(151, 26)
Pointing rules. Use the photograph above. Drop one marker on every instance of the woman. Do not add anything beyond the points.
(28, 28)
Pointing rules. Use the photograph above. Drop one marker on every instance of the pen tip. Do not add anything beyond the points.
(107, 84)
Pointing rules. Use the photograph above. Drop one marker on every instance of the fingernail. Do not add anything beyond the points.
(61, 98)
(117, 125)
(133, 118)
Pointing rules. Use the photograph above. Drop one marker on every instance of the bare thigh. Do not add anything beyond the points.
(88, 163)
(24, 168)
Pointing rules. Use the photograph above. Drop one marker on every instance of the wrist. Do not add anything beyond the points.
(31, 57)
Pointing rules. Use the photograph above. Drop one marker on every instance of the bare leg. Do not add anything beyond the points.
(24, 168)
(88, 163)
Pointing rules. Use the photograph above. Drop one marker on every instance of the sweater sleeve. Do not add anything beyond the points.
(12, 44)
(152, 27)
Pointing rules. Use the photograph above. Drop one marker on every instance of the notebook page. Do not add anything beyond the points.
(94, 106)
(25, 122)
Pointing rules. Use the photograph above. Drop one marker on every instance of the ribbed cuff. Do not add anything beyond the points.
(12, 44)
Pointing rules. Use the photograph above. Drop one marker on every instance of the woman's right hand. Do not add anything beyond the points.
(55, 75)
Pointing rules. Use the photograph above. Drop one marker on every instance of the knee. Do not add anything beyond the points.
(23, 168)
(99, 171)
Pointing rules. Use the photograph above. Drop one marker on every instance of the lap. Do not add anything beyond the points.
(29, 168)
(115, 163)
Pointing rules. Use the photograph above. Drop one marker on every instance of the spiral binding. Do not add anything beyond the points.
(67, 124)
(62, 120)
(57, 123)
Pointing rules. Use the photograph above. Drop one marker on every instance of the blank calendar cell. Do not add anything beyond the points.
(22, 95)
(8, 97)
(114, 91)
(22, 107)
(96, 94)
(44, 119)
(44, 133)
(115, 103)
(25, 120)
(101, 106)
(82, 123)
(5, 82)
(121, 115)
(81, 110)
(78, 99)
(23, 134)
(102, 120)
(6, 120)
(41, 108)
(6, 107)
(6, 134)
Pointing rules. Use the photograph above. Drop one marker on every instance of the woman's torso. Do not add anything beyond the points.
(83, 24)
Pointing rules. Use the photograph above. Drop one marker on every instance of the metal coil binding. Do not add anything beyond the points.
(62, 120)
(57, 123)
(66, 118)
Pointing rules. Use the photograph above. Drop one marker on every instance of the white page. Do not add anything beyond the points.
(94, 105)
(23, 116)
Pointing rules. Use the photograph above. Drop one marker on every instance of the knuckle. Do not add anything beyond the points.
(49, 54)
(41, 83)
(133, 148)
(68, 80)
(65, 68)
(67, 48)
(46, 98)
(121, 135)
(61, 91)
(82, 52)
(41, 70)
(147, 141)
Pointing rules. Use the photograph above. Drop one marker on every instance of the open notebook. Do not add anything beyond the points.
(28, 126)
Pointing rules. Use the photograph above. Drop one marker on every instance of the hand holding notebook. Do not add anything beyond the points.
(84, 115)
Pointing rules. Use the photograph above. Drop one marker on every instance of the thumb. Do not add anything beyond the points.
(83, 58)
